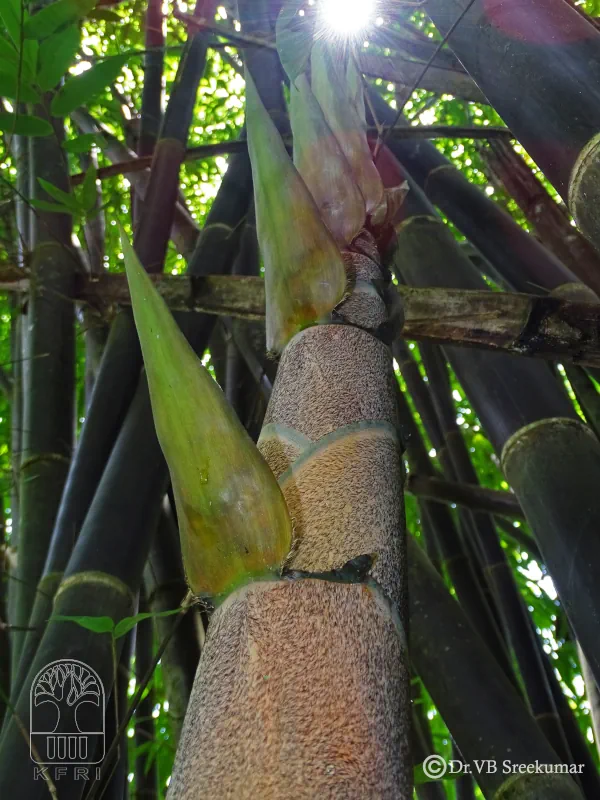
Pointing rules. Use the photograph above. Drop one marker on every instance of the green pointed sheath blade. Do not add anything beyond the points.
(233, 520)
(304, 272)
(324, 167)
(336, 91)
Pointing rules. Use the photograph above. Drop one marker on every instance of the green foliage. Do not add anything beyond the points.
(54, 16)
(81, 202)
(24, 124)
(12, 14)
(81, 89)
(11, 87)
(56, 55)
(83, 143)
(108, 625)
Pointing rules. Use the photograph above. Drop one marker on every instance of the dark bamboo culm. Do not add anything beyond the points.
(146, 774)
(518, 258)
(513, 613)
(96, 582)
(20, 155)
(95, 328)
(539, 66)
(48, 378)
(165, 586)
(476, 498)
(455, 664)
(550, 220)
(118, 374)
(535, 430)
(455, 559)
(184, 232)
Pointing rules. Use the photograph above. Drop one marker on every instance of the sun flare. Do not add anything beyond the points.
(347, 17)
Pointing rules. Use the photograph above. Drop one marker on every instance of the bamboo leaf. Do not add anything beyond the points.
(304, 273)
(87, 193)
(104, 15)
(56, 55)
(24, 124)
(420, 776)
(67, 199)
(10, 13)
(233, 521)
(80, 89)
(95, 624)
(323, 166)
(83, 143)
(8, 53)
(8, 88)
(55, 208)
(334, 86)
(54, 16)
(294, 37)
(127, 623)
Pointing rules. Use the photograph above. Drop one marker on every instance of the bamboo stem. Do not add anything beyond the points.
(517, 256)
(48, 387)
(550, 220)
(455, 558)
(512, 612)
(469, 689)
(146, 777)
(536, 87)
(166, 587)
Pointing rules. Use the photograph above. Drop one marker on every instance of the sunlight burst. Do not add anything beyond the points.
(347, 17)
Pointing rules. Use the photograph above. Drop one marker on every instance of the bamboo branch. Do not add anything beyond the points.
(521, 324)
(239, 145)
(439, 79)
(478, 498)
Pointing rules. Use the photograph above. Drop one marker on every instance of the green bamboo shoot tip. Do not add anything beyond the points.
(233, 520)
(304, 272)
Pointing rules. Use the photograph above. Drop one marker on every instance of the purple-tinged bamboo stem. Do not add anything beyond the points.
(550, 220)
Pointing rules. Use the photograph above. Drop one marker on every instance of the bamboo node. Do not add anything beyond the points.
(583, 188)
(519, 438)
(99, 579)
(43, 457)
(552, 781)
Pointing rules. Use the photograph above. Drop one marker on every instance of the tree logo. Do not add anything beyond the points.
(66, 713)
